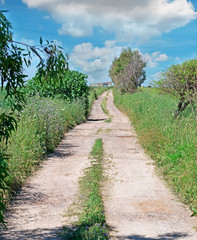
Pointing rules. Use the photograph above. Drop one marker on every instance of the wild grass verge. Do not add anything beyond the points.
(171, 142)
(91, 220)
(40, 129)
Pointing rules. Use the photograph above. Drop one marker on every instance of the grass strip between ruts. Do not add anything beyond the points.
(104, 108)
(91, 220)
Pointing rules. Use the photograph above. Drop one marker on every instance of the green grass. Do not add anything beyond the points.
(104, 108)
(91, 220)
(39, 131)
(103, 105)
(171, 142)
(4, 104)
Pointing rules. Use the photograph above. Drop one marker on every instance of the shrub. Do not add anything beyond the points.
(181, 81)
(71, 86)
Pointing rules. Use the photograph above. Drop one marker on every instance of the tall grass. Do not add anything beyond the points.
(40, 129)
(171, 142)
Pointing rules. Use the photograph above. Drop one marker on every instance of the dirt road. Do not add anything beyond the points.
(138, 206)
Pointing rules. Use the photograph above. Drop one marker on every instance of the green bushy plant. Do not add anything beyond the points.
(181, 81)
(12, 60)
(72, 85)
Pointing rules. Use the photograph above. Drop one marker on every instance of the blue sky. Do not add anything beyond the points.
(94, 32)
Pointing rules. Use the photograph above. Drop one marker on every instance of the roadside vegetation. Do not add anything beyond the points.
(170, 141)
(35, 114)
(91, 219)
(40, 128)
(181, 81)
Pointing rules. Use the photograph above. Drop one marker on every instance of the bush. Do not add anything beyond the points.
(181, 81)
(71, 86)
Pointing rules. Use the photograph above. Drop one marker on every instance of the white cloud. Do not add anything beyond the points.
(153, 59)
(2, 2)
(128, 19)
(156, 76)
(47, 17)
(161, 58)
(94, 61)
(155, 54)
(149, 60)
(58, 43)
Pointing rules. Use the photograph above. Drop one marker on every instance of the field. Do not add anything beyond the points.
(171, 142)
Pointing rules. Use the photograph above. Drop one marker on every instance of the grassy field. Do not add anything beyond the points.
(171, 142)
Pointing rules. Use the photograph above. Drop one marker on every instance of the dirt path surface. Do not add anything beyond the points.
(138, 205)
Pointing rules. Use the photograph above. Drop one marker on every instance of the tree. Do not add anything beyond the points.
(181, 81)
(12, 59)
(127, 71)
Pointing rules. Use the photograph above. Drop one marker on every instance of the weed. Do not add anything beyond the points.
(91, 222)
(104, 108)
(108, 120)
(108, 130)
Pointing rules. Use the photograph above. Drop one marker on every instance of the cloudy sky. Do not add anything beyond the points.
(94, 32)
